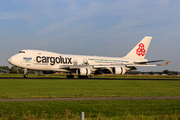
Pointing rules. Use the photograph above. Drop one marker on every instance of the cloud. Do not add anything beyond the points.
(115, 25)
(97, 9)
(10, 15)
(135, 19)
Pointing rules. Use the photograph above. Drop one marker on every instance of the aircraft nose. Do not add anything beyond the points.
(10, 60)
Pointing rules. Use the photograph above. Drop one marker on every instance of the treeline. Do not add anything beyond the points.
(18, 70)
(167, 72)
(15, 69)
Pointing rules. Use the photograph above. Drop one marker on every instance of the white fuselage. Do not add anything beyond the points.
(45, 61)
(83, 66)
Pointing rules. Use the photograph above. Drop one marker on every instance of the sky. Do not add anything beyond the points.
(91, 27)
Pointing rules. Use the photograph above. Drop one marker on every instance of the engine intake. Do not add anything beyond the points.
(118, 70)
(83, 71)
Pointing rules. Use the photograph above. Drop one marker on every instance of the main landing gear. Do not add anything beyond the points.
(84, 76)
(25, 73)
(70, 76)
(79, 76)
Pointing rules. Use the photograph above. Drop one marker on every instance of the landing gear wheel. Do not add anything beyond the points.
(70, 76)
(25, 76)
(79, 76)
(84, 76)
(89, 76)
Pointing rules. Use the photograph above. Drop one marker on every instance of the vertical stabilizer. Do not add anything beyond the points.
(140, 50)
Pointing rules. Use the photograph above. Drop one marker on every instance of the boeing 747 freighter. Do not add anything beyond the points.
(83, 66)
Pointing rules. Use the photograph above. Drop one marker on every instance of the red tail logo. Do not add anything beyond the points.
(141, 51)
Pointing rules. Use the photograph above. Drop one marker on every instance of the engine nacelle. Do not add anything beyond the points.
(48, 72)
(118, 70)
(83, 71)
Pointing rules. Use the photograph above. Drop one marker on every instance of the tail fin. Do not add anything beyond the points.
(140, 50)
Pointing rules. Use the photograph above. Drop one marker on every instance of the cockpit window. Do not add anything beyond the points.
(21, 51)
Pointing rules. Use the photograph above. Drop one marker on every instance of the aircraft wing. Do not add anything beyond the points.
(74, 66)
(88, 66)
(131, 65)
(148, 62)
(141, 64)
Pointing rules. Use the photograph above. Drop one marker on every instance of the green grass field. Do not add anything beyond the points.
(38, 88)
(93, 109)
(115, 110)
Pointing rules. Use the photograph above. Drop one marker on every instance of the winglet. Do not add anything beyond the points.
(166, 63)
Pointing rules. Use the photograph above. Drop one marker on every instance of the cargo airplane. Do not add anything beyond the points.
(83, 66)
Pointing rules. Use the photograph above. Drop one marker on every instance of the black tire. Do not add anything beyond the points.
(70, 76)
(84, 76)
(89, 77)
(81, 76)
(25, 76)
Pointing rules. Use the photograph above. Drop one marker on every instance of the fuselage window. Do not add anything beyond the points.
(21, 51)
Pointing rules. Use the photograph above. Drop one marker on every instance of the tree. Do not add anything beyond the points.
(152, 73)
(166, 71)
(5, 68)
(14, 69)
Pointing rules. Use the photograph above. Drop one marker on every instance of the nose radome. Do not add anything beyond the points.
(10, 60)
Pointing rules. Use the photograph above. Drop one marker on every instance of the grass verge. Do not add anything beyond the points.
(37, 88)
(136, 109)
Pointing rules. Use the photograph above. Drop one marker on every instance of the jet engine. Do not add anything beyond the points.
(48, 72)
(118, 70)
(83, 71)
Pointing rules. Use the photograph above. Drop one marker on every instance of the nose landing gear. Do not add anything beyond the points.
(25, 73)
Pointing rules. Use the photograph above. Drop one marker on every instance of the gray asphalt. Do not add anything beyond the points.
(82, 99)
